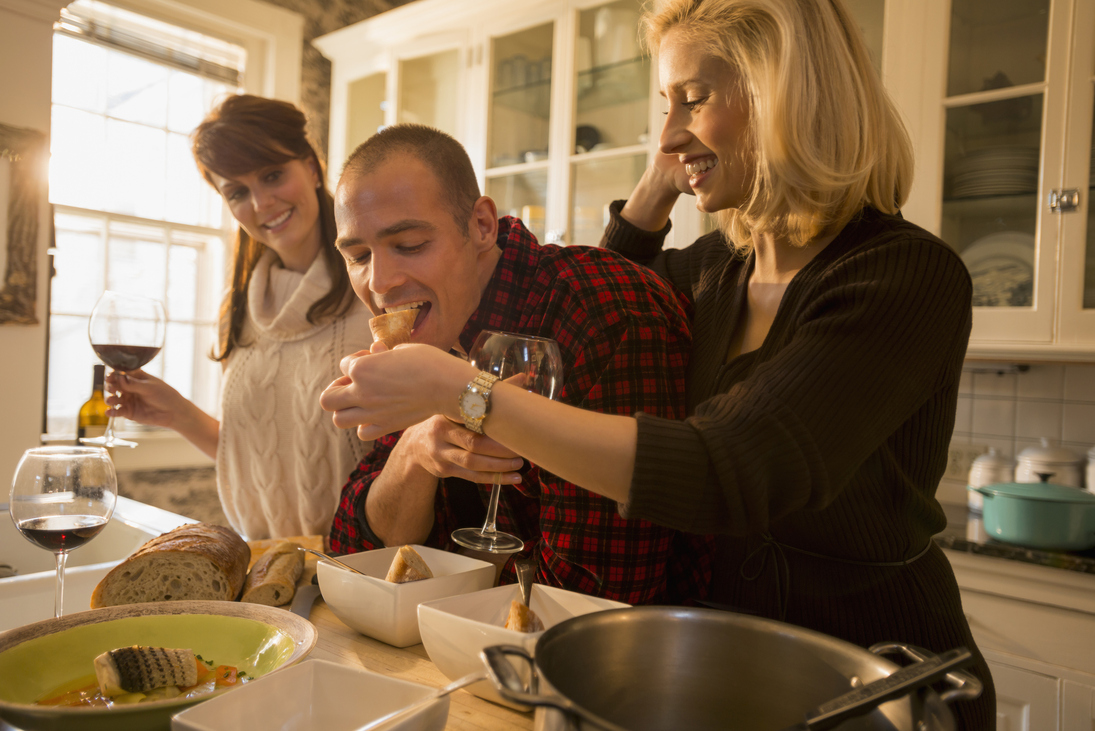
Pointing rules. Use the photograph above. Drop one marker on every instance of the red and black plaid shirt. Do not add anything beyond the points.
(624, 338)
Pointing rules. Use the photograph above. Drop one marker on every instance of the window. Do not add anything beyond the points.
(131, 212)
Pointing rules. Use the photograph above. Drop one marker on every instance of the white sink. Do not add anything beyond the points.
(28, 596)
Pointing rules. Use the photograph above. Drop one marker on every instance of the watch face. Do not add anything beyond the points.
(473, 404)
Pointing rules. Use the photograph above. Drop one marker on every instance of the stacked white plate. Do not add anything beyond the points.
(996, 171)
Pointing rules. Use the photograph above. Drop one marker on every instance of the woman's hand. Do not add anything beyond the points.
(144, 399)
(650, 204)
(386, 391)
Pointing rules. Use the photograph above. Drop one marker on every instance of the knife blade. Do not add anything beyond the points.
(303, 600)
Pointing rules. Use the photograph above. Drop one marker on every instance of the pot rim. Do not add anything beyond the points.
(1047, 492)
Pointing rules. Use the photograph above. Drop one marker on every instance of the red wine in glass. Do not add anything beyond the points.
(126, 331)
(62, 532)
(125, 357)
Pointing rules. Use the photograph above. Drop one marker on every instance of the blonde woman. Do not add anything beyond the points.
(829, 336)
(288, 317)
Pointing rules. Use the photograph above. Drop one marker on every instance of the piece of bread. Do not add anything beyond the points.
(273, 578)
(522, 618)
(394, 328)
(408, 565)
(195, 561)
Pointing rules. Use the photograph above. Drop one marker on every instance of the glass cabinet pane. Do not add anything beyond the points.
(520, 113)
(994, 44)
(870, 15)
(524, 196)
(613, 85)
(990, 189)
(428, 90)
(366, 100)
(595, 184)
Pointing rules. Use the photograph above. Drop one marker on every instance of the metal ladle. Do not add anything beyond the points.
(335, 561)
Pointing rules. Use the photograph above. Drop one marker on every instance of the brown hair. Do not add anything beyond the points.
(242, 134)
(827, 139)
(442, 154)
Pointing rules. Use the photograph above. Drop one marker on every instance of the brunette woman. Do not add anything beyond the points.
(288, 317)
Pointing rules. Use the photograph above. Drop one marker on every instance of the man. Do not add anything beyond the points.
(415, 232)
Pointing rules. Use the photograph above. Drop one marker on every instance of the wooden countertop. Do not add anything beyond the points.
(341, 644)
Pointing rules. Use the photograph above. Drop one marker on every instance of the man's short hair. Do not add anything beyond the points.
(436, 150)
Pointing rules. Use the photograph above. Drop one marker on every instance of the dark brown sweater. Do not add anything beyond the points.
(820, 452)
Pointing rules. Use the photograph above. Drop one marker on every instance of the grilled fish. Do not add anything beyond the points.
(140, 669)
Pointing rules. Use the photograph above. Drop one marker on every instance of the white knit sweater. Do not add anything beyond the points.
(281, 463)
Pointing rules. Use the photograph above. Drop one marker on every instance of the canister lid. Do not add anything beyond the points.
(1049, 453)
(1046, 491)
(992, 459)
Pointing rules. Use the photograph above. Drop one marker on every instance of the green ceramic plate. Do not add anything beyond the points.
(38, 658)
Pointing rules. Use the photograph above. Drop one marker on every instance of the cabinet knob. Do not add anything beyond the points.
(1064, 201)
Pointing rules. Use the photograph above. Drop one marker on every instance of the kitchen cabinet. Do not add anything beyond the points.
(999, 98)
(1036, 628)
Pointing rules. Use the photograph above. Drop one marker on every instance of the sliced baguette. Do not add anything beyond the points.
(522, 618)
(196, 561)
(408, 565)
(394, 328)
(273, 578)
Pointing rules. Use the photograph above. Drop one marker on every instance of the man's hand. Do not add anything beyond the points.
(446, 449)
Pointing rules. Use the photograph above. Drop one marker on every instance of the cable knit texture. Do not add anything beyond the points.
(281, 462)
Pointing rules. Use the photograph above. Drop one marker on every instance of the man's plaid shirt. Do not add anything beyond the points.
(624, 338)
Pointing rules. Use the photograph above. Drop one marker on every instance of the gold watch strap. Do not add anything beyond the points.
(482, 383)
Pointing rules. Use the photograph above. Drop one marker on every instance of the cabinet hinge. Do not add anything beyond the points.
(1063, 201)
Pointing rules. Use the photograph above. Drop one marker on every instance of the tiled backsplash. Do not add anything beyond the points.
(1013, 411)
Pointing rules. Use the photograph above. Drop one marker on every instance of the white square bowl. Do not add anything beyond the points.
(314, 695)
(455, 629)
(386, 611)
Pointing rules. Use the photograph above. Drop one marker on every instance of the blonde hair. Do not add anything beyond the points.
(828, 141)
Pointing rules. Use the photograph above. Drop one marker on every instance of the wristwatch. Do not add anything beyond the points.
(474, 402)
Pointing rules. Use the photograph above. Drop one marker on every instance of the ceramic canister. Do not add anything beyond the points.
(1063, 466)
(988, 469)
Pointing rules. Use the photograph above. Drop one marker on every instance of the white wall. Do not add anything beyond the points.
(273, 38)
(26, 32)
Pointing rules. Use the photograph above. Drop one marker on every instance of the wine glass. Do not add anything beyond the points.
(533, 364)
(126, 332)
(61, 498)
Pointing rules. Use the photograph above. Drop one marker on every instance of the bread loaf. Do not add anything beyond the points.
(522, 619)
(196, 561)
(408, 565)
(273, 578)
(394, 328)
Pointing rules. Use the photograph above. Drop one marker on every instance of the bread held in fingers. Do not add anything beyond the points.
(196, 561)
(394, 328)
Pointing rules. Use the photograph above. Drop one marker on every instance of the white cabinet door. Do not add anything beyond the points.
(1025, 701)
(1077, 707)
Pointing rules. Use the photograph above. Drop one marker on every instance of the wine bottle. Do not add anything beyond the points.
(95, 413)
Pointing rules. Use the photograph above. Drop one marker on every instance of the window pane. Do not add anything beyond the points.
(136, 89)
(179, 357)
(182, 283)
(428, 91)
(137, 170)
(184, 107)
(70, 371)
(78, 167)
(78, 280)
(995, 45)
(79, 72)
(189, 198)
(520, 112)
(135, 260)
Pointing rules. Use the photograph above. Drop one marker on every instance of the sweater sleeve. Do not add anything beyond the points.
(873, 338)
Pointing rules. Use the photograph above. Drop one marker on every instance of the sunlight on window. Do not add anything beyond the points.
(132, 213)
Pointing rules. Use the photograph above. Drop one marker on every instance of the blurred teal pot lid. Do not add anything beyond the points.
(1038, 491)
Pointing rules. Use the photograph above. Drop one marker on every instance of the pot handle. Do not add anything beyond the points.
(507, 682)
(964, 686)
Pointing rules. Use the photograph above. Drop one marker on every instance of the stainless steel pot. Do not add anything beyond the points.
(646, 668)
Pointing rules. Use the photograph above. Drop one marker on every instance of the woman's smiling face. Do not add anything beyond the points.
(706, 123)
(278, 206)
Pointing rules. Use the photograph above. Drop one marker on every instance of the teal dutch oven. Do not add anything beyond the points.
(1039, 515)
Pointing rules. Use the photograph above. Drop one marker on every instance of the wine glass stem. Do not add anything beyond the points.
(490, 524)
(59, 596)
